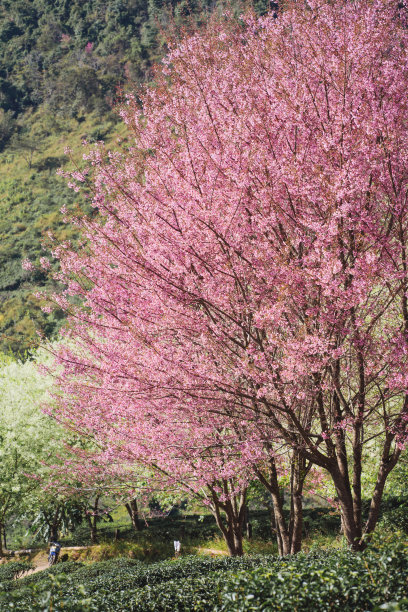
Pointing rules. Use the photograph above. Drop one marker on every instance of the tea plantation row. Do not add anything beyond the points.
(322, 581)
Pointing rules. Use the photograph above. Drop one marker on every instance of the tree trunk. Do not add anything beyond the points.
(299, 470)
(234, 539)
(288, 536)
(133, 512)
(357, 471)
(54, 526)
(388, 462)
(247, 524)
(234, 510)
(272, 484)
(1, 540)
(92, 519)
(297, 525)
(347, 510)
(274, 528)
(281, 526)
(93, 530)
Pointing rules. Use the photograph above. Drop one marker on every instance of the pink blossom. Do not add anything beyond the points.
(243, 287)
(27, 265)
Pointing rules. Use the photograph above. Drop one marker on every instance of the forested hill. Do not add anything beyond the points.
(71, 53)
(61, 62)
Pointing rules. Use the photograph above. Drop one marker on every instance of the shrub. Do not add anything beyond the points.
(124, 584)
(13, 570)
(322, 582)
(396, 518)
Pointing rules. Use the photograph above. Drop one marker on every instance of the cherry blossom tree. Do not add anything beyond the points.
(247, 271)
(132, 456)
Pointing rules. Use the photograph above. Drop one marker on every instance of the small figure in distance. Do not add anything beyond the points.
(177, 547)
(54, 553)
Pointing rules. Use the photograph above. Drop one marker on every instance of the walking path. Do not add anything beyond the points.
(212, 551)
(41, 560)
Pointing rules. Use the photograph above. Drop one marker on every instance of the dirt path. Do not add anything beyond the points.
(212, 551)
(40, 561)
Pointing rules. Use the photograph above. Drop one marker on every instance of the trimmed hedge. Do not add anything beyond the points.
(14, 569)
(121, 584)
(320, 581)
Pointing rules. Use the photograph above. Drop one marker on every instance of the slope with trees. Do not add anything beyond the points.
(61, 64)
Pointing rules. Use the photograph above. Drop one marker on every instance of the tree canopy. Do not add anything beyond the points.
(246, 279)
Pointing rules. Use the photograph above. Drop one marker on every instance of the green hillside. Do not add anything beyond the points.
(61, 63)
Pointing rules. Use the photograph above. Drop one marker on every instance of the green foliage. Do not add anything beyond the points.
(14, 569)
(198, 594)
(47, 511)
(72, 55)
(340, 580)
(67, 568)
(322, 582)
(396, 518)
(27, 436)
(28, 209)
(158, 530)
(125, 584)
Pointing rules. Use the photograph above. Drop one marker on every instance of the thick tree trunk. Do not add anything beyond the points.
(93, 530)
(274, 529)
(299, 470)
(350, 502)
(347, 510)
(133, 512)
(281, 526)
(234, 543)
(297, 528)
(272, 484)
(388, 462)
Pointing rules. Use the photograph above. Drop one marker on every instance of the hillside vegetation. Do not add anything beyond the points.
(61, 64)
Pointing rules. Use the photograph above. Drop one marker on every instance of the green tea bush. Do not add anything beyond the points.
(200, 594)
(13, 570)
(49, 595)
(124, 584)
(322, 582)
(66, 569)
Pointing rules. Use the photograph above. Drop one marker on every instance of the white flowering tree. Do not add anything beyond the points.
(28, 438)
